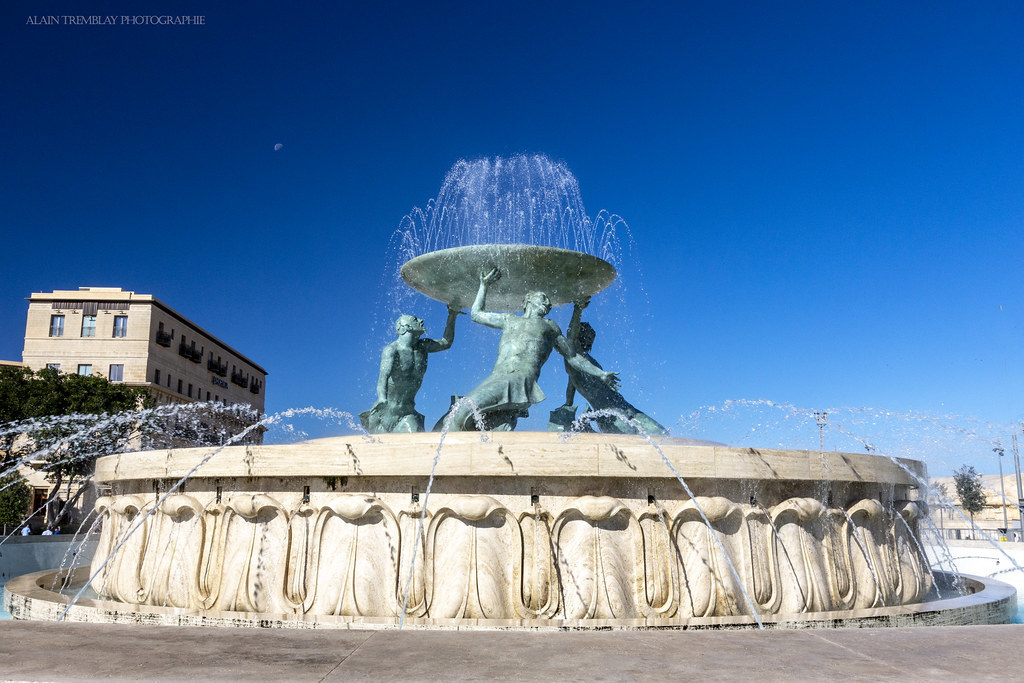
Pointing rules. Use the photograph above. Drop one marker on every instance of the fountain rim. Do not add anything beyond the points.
(509, 454)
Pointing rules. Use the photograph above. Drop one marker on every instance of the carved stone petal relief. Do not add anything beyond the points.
(173, 553)
(762, 577)
(474, 561)
(915, 576)
(120, 578)
(870, 573)
(254, 550)
(706, 585)
(355, 554)
(659, 568)
(599, 548)
(413, 542)
(301, 525)
(540, 576)
(804, 576)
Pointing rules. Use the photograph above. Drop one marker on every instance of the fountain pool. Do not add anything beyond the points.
(522, 530)
(509, 529)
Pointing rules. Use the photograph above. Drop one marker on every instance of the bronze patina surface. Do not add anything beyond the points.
(453, 275)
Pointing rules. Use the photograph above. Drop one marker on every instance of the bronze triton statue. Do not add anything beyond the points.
(525, 345)
(403, 363)
(621, 416)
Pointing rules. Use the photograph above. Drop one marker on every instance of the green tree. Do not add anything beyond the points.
(63, 422)
(969, 490)
(15, 496)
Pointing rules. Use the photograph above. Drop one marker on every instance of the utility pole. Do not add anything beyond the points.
(942, 516)
(821, 417)
(1002, 489)
(1020, 491)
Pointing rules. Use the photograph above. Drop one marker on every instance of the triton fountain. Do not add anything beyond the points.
(460, 527)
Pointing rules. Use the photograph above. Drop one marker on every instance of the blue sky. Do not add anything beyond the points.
(826, 198)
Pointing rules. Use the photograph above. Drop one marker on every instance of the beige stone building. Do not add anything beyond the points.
(141, 341)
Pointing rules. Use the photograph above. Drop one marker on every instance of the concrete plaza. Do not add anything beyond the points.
(70, 651)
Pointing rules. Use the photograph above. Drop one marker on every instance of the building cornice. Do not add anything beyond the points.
(114, 294)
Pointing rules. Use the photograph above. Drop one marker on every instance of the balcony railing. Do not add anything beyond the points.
(162, 338)
(217, 368)
(193, 354)
(240, 379)
(255, 385)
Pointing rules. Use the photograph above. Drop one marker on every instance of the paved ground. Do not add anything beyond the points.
(48, 651)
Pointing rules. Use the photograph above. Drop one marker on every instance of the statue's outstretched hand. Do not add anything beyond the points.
(582, 302)
(490, 277)
(611, 379)
(455, 310)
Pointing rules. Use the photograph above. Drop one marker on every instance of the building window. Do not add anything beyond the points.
(88, 326)
(53, 366)
(156, 376)
(85, 369)
(120, 326)
(190, 390)
(116, 373)
(207, 395)
(179, 386)
(56, 326)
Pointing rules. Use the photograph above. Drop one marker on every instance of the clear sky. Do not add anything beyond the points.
(827, 199)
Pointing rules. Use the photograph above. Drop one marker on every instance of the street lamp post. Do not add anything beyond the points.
(821, 417)
(1020, 491)
(1002, 489)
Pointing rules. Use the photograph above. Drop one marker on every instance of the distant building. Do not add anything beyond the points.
(141, 341)
(138, 340)
(954, 523)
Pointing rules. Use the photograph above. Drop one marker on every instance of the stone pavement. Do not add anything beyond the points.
(75, 651)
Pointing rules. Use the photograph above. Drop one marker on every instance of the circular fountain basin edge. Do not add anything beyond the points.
(29, 597)
(509, 454)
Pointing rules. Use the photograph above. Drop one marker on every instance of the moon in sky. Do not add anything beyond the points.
(278, 147)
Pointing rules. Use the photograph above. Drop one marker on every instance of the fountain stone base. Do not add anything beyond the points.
(526, 529)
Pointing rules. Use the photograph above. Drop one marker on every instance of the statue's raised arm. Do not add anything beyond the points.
(477, 312)
(572, 333)
(580, 362)
(445, 342)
